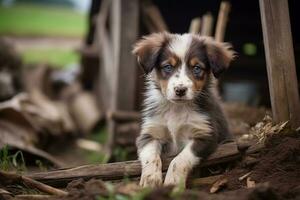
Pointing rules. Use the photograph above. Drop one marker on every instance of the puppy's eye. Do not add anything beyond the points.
(168, 68)
(197, 69)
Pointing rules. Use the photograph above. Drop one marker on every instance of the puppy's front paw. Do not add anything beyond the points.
(152, 173)
(153, 179)
(177, 173)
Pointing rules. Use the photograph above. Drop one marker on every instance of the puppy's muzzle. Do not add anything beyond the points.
(180, 91)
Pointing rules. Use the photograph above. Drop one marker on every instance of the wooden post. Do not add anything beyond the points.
(124, 30)
(280, 61)
(207, 24)
(222, 21)
(118, 71)
(195, 25)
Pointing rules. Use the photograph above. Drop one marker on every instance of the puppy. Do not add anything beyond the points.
(182, 116)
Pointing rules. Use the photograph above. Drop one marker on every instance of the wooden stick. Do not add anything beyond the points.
(7, 178)
(4, 192)
(119, 170)
(200, 182)
(195, 25)
(207, 24)
(222, 21)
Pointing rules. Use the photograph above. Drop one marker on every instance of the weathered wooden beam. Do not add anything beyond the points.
(195, 25)
(280, 60)
(119, 170)
(222, 21)
(207, 24)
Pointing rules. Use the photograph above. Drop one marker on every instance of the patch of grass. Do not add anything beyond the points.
(120, 154)
(53, 56)
(96, 157)
(4, 158)
(100, 135)
(38, 20)
(42, 166)
(14, 161)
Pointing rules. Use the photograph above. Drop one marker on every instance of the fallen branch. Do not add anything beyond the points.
(9, 178)
(200, 182)
(119, 170)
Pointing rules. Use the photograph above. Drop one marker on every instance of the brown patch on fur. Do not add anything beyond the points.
(163, 85)
(195, 61)
(198, 84)
(172, 60)
(200, 81)
(148, 49)
(157, 132)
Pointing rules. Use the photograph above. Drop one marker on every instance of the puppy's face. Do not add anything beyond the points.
(181, 64)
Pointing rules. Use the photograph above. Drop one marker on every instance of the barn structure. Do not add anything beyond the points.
(260, 31)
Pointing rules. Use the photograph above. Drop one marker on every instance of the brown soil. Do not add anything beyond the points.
(276, 174)
(93, 189)
(278, 166)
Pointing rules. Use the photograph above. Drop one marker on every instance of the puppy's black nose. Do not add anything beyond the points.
(180, 91)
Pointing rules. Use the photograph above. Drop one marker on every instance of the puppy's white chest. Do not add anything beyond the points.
(175, 118)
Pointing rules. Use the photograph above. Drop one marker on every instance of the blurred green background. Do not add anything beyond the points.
(44, 19)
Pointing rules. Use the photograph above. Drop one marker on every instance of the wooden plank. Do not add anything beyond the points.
(123, 35)
(125, 14)
(105, 52)
(195, 25)
(280, 60)
(222, 21)
(119, 170)
(207, 24)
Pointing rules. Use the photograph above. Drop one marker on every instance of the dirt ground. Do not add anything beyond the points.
(278, 167)
(276, 175)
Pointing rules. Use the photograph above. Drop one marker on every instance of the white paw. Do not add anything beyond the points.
(177, 174)
(151, 174)
(151, 179)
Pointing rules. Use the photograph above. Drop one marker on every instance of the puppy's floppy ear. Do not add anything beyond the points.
(147, 50)
(219, 55)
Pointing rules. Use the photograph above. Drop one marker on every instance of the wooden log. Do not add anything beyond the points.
(113, 171)
(280, 60)
(7, 178)
(222, 21)
(207, 24)
(195, 25)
